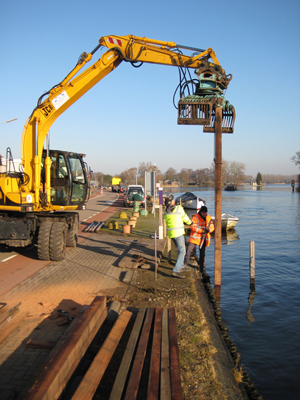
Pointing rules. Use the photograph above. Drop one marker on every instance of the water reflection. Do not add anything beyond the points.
(228, 237)
(257, 187)
(251, 298)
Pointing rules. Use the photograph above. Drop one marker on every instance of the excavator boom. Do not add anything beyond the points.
(62, 96)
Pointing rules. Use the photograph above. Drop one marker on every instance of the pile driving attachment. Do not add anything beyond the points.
(199, 108)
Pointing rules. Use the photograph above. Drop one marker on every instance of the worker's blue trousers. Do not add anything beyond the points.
(180, 244)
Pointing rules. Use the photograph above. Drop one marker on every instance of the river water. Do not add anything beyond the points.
(264, 323)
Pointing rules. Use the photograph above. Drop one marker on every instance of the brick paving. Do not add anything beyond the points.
(87, 271)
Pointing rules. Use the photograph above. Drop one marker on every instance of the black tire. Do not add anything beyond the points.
(72, 233)
(58, 241)
(43, 242)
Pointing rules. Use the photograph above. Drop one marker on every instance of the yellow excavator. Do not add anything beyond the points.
(38, 201)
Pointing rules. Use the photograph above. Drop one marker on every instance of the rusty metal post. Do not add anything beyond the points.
(218, 195)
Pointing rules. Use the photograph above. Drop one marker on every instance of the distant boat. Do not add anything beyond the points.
(228, 221)
(230, 186)
(190, 200)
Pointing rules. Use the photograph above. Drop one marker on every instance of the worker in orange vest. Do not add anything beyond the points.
(200, 236)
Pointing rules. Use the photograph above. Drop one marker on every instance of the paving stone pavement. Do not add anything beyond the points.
(87, 271)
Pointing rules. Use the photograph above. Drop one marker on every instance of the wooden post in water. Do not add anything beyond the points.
(252, 262)
(218, 195)
(293, 185)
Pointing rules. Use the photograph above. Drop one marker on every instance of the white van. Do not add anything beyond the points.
(135, 186)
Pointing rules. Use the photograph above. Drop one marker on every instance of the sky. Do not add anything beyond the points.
(128, 117)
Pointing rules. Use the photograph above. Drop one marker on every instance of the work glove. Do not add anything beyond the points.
(205, 230)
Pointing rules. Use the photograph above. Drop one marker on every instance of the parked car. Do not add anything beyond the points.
(128, 198)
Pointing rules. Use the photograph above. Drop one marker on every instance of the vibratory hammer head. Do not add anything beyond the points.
(199, 108)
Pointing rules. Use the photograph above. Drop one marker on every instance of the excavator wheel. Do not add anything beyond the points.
(44, 240)
(72, 234)
(57, 246)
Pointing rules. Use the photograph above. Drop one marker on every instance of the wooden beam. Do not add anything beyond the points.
(37, 343)
(136, 372)
(64, 360)
(9, 318)
(153, 385)
(92, 378)
(7, 312)
(165, 382)
(11, 325)
(218, 196)
(121, 377)
(174, 358)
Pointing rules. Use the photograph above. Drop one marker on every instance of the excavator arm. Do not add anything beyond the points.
(120, 48)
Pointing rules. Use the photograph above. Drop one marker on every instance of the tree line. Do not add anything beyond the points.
(232, 172)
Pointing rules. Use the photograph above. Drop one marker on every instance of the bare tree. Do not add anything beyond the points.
(237, 172)
(148, 167)
(296, 158)
(232, 172)
(129, 176)
(207, 176)
(185, 176)
(170, 174)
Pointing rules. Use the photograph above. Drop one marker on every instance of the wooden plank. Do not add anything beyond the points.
(7, 312)
(174, 358)
(64, 360)
(12, 325)
(37, 343)
(9, 318)
(92, 378)
(165, 382)
(153, 385)
(136, 372)
(121, 377)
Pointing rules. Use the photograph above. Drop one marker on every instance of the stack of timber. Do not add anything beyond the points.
(139, 354)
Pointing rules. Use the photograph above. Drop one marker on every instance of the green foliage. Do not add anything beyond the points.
(259, 178)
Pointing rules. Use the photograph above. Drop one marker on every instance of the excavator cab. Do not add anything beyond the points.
(69, 181)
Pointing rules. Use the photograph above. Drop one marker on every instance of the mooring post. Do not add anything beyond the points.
(252, 261)
(218, 195)
(293, 185)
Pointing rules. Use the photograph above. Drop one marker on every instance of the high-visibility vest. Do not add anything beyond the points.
(197, 229)
(175, 222)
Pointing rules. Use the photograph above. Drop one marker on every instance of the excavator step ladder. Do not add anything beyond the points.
(197, 110)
